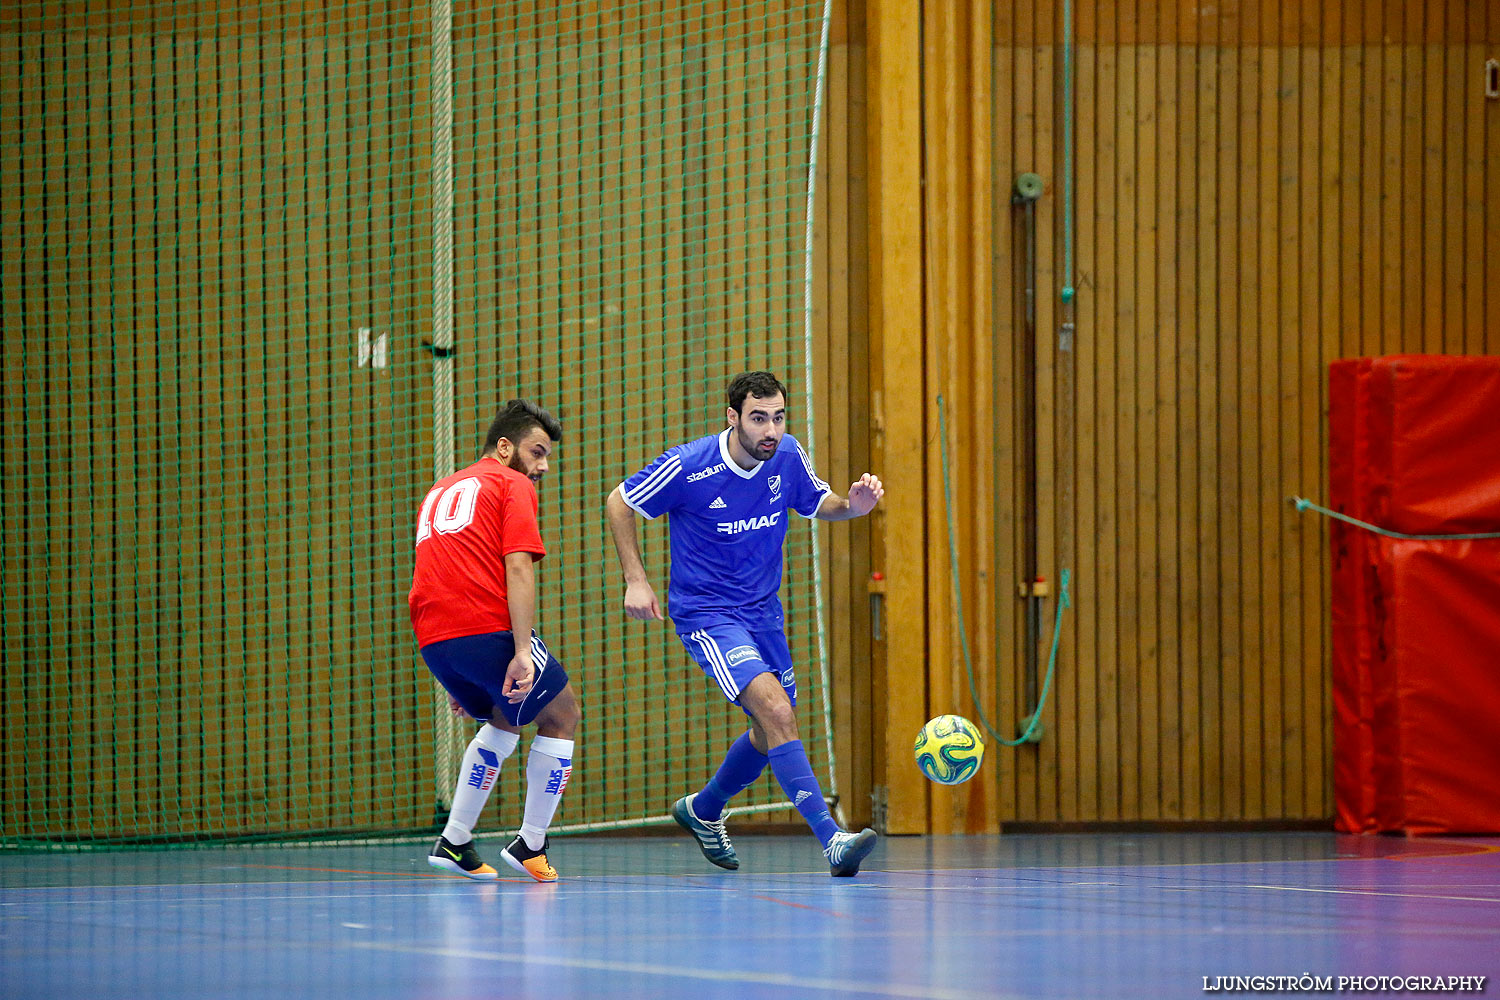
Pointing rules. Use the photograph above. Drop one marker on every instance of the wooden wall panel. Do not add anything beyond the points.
(957, 237)
(845, 407)
(1007, 69)
(981, 810)
(900, 400)
(1258, 192)
(1223, 165)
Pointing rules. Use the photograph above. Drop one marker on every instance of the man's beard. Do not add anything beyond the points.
(515, 463)
(752, 448)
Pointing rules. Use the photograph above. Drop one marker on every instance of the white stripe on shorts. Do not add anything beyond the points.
(538, 664)
(716, 661)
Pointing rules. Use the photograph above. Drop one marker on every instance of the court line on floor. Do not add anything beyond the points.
(362, 871)
(800, 906)
(717, 976)
(1465, 851)
(614, 885)
(578, 886)
(1372, 892)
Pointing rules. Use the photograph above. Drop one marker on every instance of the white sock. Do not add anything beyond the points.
(476, 776)
(548, 766)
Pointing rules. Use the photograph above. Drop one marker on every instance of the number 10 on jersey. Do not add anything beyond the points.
(448, 510)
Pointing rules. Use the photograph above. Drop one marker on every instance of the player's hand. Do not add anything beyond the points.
(518, 677)
(457, 709)
(865, 494)
(641, 603)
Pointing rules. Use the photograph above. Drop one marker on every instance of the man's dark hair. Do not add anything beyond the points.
(516, 419)
(761, 385)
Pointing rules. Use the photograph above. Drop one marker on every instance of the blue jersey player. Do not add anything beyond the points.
(728, 497)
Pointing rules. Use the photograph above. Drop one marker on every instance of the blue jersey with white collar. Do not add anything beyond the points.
(727, 526)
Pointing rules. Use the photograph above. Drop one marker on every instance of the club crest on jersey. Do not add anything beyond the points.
(775, 483)
(748, 524)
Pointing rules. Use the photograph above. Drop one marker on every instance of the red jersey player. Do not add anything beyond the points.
(473, 591)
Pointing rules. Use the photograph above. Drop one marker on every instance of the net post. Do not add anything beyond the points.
(807, 381)
(447, 730)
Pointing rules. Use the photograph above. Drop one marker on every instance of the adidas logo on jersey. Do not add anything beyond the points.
(718, 504)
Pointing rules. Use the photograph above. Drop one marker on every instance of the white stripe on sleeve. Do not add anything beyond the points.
(811, 472)
(651, 485)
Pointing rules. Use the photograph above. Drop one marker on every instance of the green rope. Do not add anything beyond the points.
(1303, 505)
(1063, 601)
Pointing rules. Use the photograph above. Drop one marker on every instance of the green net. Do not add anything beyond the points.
(265, 271)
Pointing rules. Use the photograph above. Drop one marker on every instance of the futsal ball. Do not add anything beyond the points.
(949, 749)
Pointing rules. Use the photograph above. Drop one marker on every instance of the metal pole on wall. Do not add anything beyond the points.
(807, 384)
(442, 327)
(1067, 327)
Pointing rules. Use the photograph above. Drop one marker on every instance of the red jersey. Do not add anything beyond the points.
(469, 522)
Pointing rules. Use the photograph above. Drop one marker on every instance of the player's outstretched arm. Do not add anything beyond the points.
(864, 494)
(640, 600)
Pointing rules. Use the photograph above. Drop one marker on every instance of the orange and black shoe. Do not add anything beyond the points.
(528, 862)
(461, 860)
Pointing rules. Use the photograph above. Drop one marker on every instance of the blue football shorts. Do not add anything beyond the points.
(732, 656)
(472, 669)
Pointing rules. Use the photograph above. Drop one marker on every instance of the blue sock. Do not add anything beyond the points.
(795, 773)
(742, 765)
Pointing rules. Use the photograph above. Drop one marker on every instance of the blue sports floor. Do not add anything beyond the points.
(1078, 915)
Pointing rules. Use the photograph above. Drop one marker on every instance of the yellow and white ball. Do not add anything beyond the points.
(949, 749)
